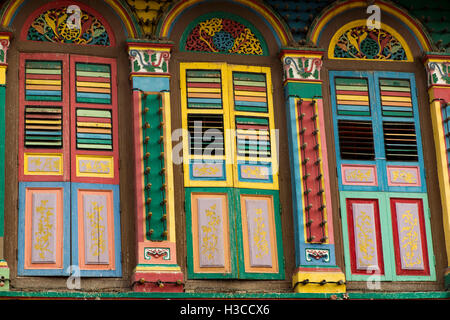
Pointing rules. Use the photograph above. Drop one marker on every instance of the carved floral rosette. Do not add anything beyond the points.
(149, 61)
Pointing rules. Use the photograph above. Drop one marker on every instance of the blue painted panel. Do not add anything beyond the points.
(151, 83)
(117, 272)
(21, 271)
(267, 165)
(218, 162)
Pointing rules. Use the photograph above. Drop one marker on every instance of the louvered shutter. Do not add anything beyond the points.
(381, 176)
(205, 121)
(68, 167)
(255, 135)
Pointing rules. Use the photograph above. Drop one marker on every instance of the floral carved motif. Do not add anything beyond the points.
(54, 25)
(302, 68)
(149, 61)
(373, 44)
(223, 35)
(438, 73)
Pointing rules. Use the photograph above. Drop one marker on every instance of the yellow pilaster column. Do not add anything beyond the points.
(438, 73)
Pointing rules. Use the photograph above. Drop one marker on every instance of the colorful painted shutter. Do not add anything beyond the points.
(44, 130)
(95, 166)
(205, 145)
(65, 101)
(385, 171)
(228, 114)
(255, 135)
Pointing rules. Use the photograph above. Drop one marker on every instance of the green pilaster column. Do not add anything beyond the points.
(4, 270)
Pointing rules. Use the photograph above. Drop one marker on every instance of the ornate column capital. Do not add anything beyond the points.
(149, 58)
(301, 64)
(437, 66)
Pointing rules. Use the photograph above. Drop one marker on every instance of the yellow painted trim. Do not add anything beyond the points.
(362, 22)
(110, 160)
(3, 74)
(318, 277)
(334, 11)
(10, 12)
(149, 47)
(170, 209)
(151, 268)
(442, 166)
(58, 156)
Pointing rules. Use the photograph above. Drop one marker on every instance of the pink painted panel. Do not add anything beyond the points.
(359, 175)
(210, 232)
(260, 244)
(95, 228)
(44, 235)
(403, 176)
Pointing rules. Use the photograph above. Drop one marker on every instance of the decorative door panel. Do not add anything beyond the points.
(44, 139)
(210, 235)
(364, 236)
(94, 148)
(44, 236)
(96, 229)
(410, 240)
(259, 235)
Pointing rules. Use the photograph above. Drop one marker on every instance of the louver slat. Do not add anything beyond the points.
(253, 138)
(352, 97)
(206, 134)
(43, 127)
(400, 141)
(94, 129)
(43, 80)
(250, 92)
(396, 98)
(204, 89)
(93, 83)
(356, 140)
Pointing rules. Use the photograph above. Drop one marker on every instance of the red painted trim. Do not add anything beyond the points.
(92, 79)
(64, 3)
(138, 170)
(113, 107)
(395, 93)
(148, 282)
(288, 51)
(423, 238)
(351, 235)
(149, 45)
(65, 150)
(354, 93)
